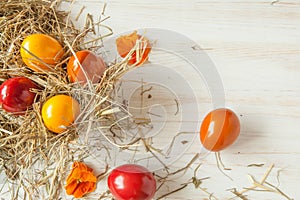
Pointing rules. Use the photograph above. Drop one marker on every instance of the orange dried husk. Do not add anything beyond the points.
(81, 180)
(125, 43)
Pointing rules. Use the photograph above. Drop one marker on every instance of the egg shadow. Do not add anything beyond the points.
(252, 128)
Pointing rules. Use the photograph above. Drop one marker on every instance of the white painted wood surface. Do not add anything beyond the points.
(255, 45)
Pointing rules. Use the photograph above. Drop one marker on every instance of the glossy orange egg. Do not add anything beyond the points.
(88, 66)
(219, 129)
(41, 52)
(59, 112)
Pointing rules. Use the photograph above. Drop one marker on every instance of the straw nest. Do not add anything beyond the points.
(33, 158)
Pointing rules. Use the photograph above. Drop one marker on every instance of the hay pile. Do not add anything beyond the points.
(33, 158)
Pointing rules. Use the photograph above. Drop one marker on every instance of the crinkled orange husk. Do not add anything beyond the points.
(81, 180)
(126, 43)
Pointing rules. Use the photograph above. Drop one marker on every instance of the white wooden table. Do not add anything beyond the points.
(255, 46)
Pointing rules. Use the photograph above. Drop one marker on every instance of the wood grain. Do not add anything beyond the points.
(255, 45)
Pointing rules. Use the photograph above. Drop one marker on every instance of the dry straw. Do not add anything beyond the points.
(34, 159)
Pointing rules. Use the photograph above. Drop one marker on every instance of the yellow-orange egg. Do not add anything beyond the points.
(41, 52)
(59, 112)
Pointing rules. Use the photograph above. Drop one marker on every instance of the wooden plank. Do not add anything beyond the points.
(255, 45)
